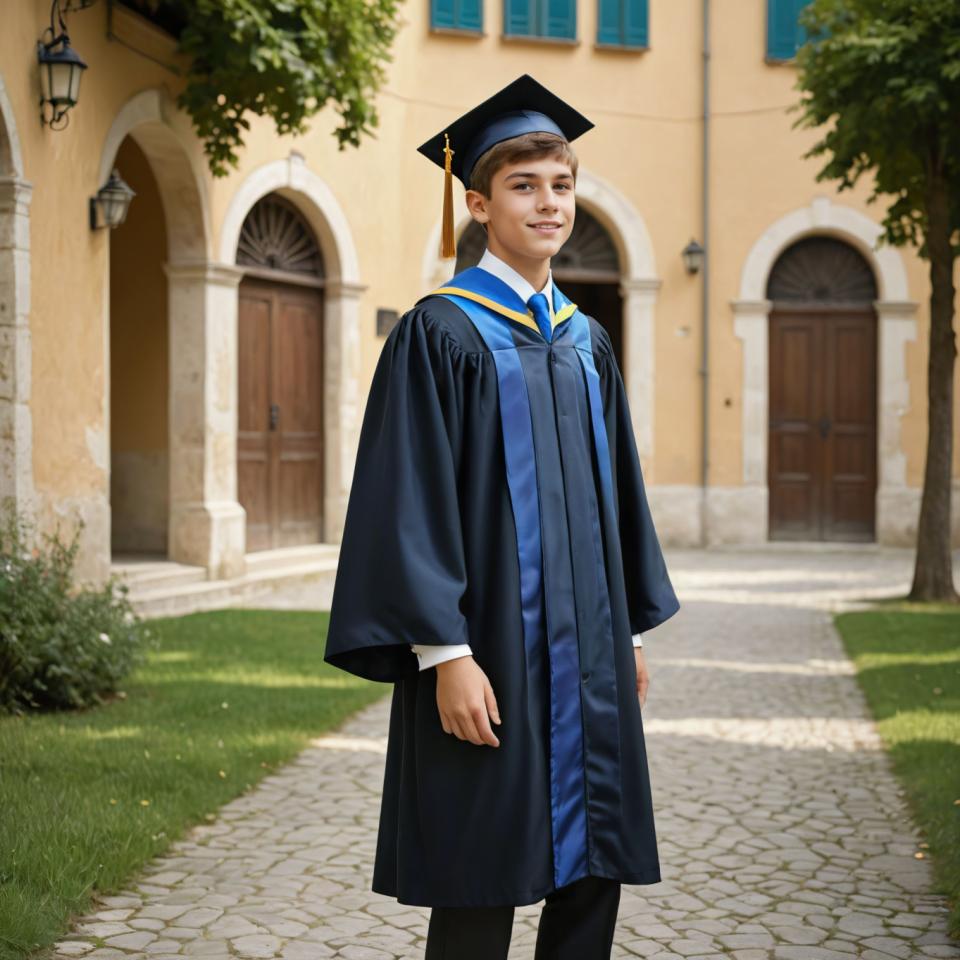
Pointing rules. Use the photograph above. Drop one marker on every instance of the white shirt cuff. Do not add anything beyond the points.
(430, 655)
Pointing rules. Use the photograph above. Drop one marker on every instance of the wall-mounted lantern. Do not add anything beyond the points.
(693, 255)
(109, 207)
(60, 70)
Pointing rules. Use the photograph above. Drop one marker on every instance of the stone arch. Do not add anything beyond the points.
(739, 514)
(638, 286)
(295, 181)
(16, 425)
(206, 524)
(161, 131)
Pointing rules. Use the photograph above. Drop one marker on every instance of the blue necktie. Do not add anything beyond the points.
(541, 313)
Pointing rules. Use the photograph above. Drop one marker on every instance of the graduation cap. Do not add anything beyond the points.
(523, 106)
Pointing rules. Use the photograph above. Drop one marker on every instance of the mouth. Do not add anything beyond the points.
(546, 227)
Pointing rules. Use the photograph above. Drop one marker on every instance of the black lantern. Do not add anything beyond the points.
(109, 207)
(60, 70)
(693, 255)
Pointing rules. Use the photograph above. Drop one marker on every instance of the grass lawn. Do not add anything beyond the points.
(908, 663)
(86, 798)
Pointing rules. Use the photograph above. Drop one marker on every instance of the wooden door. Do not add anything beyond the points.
(603, 302)
(280, 428)
(822, 472)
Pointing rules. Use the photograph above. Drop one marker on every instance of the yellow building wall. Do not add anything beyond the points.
(646, 143)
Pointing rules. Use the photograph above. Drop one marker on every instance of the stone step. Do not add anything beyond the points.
(319, 553)
(155, 573)
(166, 591)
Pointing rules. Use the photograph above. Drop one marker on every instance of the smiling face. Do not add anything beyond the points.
(529, 213)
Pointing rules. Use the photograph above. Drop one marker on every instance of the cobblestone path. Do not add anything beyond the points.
(782, 832)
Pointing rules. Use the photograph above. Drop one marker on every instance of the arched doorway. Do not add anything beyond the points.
(139, 366)
(586, 268)
(822, 427)
(280, 436)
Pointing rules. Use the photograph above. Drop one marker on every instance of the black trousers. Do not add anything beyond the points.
(577, 922)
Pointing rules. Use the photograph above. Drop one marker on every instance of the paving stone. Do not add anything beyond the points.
(163, 946)
(257, 945)
(134, 941)
(73, 948)
(782, 832)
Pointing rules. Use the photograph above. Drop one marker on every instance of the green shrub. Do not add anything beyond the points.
(60, 647)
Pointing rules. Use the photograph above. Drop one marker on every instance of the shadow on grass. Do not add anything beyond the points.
(90, 796)
(908, 666)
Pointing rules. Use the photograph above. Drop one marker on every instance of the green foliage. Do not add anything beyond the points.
(907, 657)
(885, 75)
(89, 797)
(60, 647)
(283, 59)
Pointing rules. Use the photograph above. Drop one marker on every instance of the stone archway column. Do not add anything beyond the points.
(898, 506)
(207, 524)
(739, 514)
(16, 430)
(341, 401)
(639, 304)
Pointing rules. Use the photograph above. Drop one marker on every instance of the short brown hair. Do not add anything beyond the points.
(527, 146)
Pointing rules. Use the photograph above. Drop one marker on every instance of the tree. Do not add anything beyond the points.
(885, 76)
(285, 59)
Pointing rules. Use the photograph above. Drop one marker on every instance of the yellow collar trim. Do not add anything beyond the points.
(525, 318)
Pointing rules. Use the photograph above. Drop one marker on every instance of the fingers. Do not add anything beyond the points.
(467, 717)
(491, 701)
(482, 726)
(643, 681)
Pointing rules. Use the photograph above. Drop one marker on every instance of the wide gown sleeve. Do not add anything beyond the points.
(650, 595)
(402, 570)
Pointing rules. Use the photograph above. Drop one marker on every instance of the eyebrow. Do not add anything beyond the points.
(528, 173)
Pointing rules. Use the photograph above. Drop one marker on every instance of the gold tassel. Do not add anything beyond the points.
(448, 247)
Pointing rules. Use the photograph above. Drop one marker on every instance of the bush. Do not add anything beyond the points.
(60, 647)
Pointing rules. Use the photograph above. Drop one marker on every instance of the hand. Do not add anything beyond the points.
(464, 699)
(643, 677)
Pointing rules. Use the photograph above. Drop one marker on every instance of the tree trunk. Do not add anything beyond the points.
(933, 572)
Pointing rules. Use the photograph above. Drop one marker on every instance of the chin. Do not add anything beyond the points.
(544, 246)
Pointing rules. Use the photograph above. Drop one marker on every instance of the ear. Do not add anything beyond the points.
(477, 205)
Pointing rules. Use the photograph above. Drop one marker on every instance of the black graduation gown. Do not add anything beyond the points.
(438, 548)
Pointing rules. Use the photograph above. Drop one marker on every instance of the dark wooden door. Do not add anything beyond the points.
(280, 428)
(603, 302)
(822, 471)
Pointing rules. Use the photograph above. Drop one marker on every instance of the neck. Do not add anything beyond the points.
(534, 270)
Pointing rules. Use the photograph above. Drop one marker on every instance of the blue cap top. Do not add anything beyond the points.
(523, 106)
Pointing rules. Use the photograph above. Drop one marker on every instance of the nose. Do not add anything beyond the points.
(548, 199)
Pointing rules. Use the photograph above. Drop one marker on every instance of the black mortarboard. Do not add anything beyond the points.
(523, 106)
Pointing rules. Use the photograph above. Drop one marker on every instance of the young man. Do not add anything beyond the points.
(499, 531)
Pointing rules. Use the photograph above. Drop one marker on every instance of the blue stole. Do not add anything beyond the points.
(496, 311)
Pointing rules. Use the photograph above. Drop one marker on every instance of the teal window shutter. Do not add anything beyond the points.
(784, 34)
(635, 29)
(457, 14)
(518, 17)
(561, 18)
(442, 13)
(623, 22)
(608, 22)
(470, 14)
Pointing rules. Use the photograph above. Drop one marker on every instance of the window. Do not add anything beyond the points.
(457, 14)
(540, 18)
(784, 34)
(622, 23)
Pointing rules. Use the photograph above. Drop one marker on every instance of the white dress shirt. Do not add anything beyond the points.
(430, 655)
